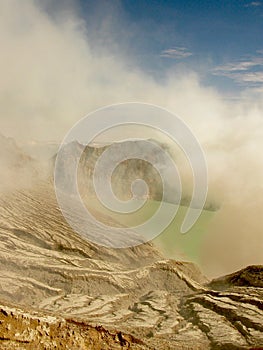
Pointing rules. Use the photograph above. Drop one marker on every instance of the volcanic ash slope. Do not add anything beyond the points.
(59, 291)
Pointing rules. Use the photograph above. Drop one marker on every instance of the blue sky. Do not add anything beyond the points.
(221, 40)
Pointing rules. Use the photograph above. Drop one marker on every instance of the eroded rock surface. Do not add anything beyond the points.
(164, 303)
(22, 329)
(60, 291)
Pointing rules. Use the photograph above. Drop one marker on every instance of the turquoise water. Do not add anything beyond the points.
(171, 241)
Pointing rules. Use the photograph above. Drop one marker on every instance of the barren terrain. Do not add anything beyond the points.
(59, 291)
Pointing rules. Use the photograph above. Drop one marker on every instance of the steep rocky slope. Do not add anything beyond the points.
(127, 171)
(60, 291)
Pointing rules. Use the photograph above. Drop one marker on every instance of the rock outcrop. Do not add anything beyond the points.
(22, 329)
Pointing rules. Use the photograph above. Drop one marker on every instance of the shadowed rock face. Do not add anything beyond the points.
(60, 291)
(251, 276)
(126, 172)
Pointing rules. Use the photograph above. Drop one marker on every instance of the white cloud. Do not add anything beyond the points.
(249, 77)
(176, 53)
(254, 4)
(243, 71)
(240, 65)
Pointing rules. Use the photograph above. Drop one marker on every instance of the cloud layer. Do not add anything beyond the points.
(176, 53)
(248, 72)
(51, 76)
(254, 4)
